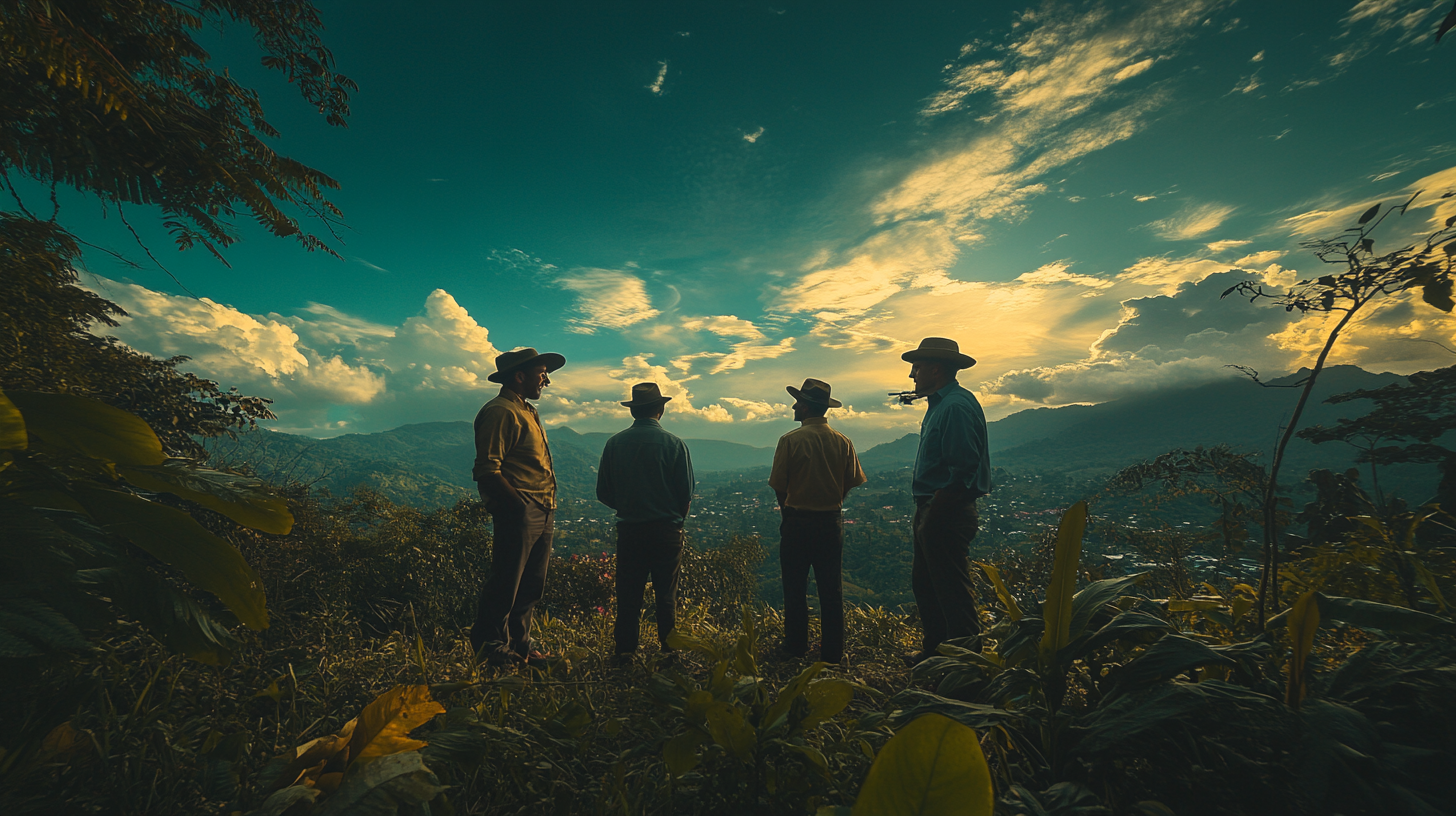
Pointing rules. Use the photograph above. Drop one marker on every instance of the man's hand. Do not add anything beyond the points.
(946, 504)
(501, 496)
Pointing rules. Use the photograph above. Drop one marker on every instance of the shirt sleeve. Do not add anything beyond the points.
(778, 478)
(960, 452)
(684, 476)
(854, 475)
(495, 436)
(605, 493)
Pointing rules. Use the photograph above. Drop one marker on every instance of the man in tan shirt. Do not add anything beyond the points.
(814, 468)
(516, 481)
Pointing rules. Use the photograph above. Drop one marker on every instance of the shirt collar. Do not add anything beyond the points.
(816, 420)
(945, 390)
(516, 398)
(646, 421)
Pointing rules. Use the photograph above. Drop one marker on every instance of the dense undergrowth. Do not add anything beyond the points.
(1163, 697)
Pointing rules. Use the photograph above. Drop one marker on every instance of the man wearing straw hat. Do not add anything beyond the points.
(518, 485)
(952, 470)
(646, 475)
(814, 468)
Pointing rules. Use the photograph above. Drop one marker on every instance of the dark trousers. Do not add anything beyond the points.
(941, 574)
(812, 539)
(522, 553)
(646, 551)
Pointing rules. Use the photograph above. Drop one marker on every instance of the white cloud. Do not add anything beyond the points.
(1258, 259)
(1224, 246)
(752, 137)
(656, 86)
(739, 356)
(724, 326)
(607, 299)
(1259, 57)
(1054, 273)
(1248, 84)
(1192, 222)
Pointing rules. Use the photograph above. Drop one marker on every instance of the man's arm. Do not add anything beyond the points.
(495, 435)
(686, 481)
(960, 452)
(854, 475)
(778, 477)
(606, 493)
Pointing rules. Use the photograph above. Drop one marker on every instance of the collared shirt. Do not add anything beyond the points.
(815, 466)
(509, 440)
(953, 448)
(646, 474)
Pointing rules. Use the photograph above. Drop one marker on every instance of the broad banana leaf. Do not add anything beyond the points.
(384, 725)
(247, 501)
(88, 427)
(932, 767)
(1057, 610)
(177, 539)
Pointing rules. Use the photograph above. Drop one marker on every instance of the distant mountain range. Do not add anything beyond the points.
(430, 463)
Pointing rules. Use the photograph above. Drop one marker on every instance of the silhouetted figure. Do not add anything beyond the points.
(814, 468)
(646, 475)
(952, 470)
(518, 485)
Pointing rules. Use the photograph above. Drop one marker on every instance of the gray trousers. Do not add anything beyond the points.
(520, 558)
(941, 575)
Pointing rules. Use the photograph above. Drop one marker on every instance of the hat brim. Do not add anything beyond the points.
(552, 360)
(946, 356)
(653, 401)
(801, 396)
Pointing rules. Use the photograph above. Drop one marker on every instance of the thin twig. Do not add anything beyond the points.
(122, 213)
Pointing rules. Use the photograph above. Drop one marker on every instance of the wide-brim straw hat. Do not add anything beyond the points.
(939, 350)
(815, 391)
(646, 394)
(513, 361)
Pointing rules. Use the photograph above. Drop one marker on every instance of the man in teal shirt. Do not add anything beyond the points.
(952, 470)
(646, 475)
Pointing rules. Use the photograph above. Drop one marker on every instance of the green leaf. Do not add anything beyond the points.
(681, 752)
(399, 783)
(168, 615)
(177, 539)
(1125, 625)
(914, 702)
(1008, 602)
(12, 425)
(787, 695)
(932, 767)
(1394, 620)
(1117, 725)
(1438, 294)
(247, 501)
(1169, 657)
(1057, 610)
(89, 427)
(1369, 214)
(1095, 596)
(826, 698)
(731, 730)
(281, 801)
(37, 626)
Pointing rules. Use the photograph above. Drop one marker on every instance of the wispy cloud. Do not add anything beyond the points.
(1191, 222)
(752, 137)
(607, 299)
(656, 86)
(375, 267)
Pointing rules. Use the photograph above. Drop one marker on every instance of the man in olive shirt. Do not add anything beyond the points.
(952, 470)
(814, 468)
(646, 475)
(518, 486)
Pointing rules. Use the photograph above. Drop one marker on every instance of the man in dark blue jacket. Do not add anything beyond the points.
(646, 475)
(952, 470)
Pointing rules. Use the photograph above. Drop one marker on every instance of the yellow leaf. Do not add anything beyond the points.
(826, 698)
(272, 692)
(61, 744)
(786, 696)
(932, 767)
(89, 427)
(1013, 610)
(247, 501)
(731, 731)
(12, 425)
(1057, 610)
(1304, 621)
(384, 724)
(177, 539)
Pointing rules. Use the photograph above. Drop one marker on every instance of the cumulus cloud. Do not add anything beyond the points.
(1192, 222)
(1224, 246)
(607, 299)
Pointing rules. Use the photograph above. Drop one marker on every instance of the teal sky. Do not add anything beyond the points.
(730, 197)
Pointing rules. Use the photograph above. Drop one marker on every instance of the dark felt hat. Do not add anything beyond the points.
(815, 391)
(513, 361)
(939, 350)
(646, 394)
